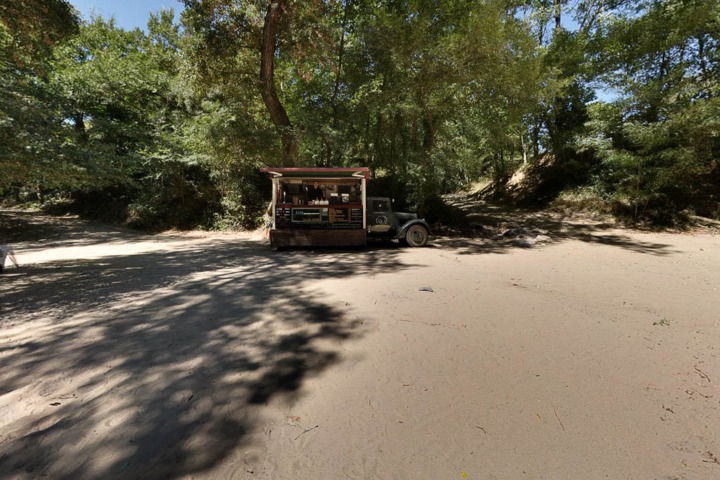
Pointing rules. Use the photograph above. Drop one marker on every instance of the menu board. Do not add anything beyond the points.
(339, 215)
(282, 217)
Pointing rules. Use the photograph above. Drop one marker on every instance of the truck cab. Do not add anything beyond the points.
(383, 223)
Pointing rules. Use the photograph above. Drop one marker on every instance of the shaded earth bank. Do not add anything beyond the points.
(554, 347)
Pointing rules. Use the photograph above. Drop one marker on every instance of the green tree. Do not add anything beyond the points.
(446, 86)
(30, 28)
(29, 126)
(128, 123)
(105, 86)
(660, 149)
(252, 43)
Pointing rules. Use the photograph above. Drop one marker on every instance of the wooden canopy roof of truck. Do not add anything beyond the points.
(317, 172)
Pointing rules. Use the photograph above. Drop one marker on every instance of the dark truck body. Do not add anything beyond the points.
(383, 223)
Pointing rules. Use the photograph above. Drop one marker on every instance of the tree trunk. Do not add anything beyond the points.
(278, 115)
(338, 78)
(429, 185)
(79, 120)
(535, 134)
(557, 14)
(428, 135)
(704, 73)
(523, 147)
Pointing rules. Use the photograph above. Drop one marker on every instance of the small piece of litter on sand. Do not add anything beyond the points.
(426, 289)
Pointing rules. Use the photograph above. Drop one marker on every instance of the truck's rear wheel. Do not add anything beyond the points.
(417, 236)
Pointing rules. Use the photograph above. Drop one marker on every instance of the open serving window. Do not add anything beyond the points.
(318, 206)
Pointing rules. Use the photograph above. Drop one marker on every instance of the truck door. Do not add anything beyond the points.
(380, 218)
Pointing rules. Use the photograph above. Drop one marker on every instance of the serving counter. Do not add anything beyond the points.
(318, 206)
(335, 217)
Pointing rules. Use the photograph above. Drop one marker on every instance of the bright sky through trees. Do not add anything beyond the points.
(128, 13)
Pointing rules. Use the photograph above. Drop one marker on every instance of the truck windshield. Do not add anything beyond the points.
(380, 206)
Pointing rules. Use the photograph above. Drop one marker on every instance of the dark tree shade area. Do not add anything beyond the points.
(168, 126)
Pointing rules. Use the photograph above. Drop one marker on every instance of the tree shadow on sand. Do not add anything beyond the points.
(157, 365)
(490, 221)
(42, 231)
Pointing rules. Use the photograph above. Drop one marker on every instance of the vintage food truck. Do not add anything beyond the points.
(329, 207)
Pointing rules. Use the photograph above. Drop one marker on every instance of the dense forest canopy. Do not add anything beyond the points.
(168, 126)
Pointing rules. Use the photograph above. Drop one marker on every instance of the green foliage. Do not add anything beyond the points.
(31, 155)
(659, 143)
(30, 28)
(657, 170)
(565, 95)
(169, 126)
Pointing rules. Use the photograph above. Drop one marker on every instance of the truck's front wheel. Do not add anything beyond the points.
(417, 236)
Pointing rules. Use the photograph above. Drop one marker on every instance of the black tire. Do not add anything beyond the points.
(417, 236)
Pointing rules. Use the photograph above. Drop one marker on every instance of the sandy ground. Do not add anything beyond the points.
(208, 356)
